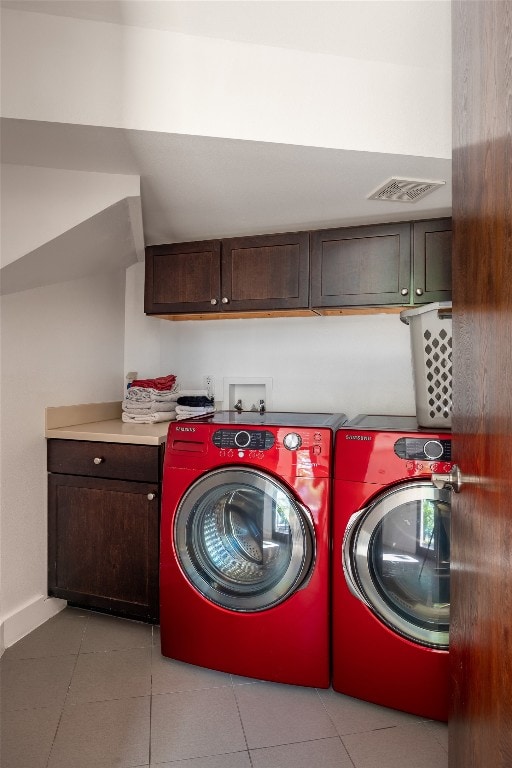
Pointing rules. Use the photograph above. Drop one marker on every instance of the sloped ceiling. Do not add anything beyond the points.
(380, 30)
(197, 187)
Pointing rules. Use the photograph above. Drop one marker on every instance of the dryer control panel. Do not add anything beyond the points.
(424, 449)
(254, 439)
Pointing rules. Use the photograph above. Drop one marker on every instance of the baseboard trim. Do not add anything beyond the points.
(28, 617)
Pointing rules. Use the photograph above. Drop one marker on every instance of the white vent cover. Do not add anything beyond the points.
(405, 190)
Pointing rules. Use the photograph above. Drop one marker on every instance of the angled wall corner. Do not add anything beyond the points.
(135, 213)
(39, 204)
(103, 243)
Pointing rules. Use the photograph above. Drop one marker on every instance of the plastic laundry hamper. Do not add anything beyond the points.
(431, 345)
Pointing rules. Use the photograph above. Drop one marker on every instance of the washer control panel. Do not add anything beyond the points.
(429, 449)
(254, 439)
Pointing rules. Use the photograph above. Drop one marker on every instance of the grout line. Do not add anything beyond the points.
(334, 726)
(67, 692)
(241, 721)
(151, 692)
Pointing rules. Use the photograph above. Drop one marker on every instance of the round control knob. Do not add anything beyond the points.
(433, 449)
(242, 439)
(292, 441)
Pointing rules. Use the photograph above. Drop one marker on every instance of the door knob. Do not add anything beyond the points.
(452, 480)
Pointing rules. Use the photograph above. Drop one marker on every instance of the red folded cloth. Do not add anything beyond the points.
(160, 383)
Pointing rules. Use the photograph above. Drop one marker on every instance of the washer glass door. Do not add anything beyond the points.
(396, 559)
(243, 540)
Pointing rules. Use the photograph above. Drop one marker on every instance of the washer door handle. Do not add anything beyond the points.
(307, 573)
(346, 558)
(452, 480)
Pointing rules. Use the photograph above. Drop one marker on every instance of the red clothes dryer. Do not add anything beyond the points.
(391, 553)
(244, 559)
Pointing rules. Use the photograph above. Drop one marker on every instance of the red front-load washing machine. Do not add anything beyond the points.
(391, 565)
(244, 563)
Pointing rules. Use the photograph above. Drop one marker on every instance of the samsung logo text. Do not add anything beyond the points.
(367, 438)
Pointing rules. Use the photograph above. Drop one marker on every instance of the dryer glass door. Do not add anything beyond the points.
(243, 540)
(396, 558)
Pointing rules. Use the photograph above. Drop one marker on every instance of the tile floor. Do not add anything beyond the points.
(91, 691)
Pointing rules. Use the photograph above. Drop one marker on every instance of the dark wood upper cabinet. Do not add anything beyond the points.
(396, 264)
(432, 261)
(265, 272)
(183, 277)
(361, 266)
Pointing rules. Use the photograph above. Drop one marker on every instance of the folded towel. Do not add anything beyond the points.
(131, 406)
(161, 382)
(192, 409)
(164, 396)
(150, 418)
(184, 412)
(139, 394)
(195, 401)
(143, 395)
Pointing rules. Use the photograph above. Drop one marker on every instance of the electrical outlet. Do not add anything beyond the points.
(209, 385)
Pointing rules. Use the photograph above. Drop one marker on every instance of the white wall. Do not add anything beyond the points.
(352, 364)
(95, 73)
(143, 334)
(61, 344)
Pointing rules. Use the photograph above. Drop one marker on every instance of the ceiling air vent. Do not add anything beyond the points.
(405, 190)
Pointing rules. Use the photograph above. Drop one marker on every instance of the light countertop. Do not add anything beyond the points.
(100, 422)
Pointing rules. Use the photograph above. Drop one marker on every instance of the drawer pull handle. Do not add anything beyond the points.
(98, 460)
(151, 496)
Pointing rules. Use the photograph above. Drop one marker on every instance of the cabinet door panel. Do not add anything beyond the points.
(182, 277)
(103, 544)
(266, 272)
(432, 277)
(360, 266)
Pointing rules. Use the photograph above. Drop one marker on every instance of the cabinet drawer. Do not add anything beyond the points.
(120, 461)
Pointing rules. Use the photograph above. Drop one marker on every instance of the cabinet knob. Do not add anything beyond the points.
(98, 460)
(404, 291)
(151, 496)
(214, 301)
(225, 300)
(419, 292)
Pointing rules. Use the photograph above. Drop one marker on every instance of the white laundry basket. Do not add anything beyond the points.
(431, 345)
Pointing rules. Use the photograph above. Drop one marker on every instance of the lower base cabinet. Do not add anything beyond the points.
(103, 532)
